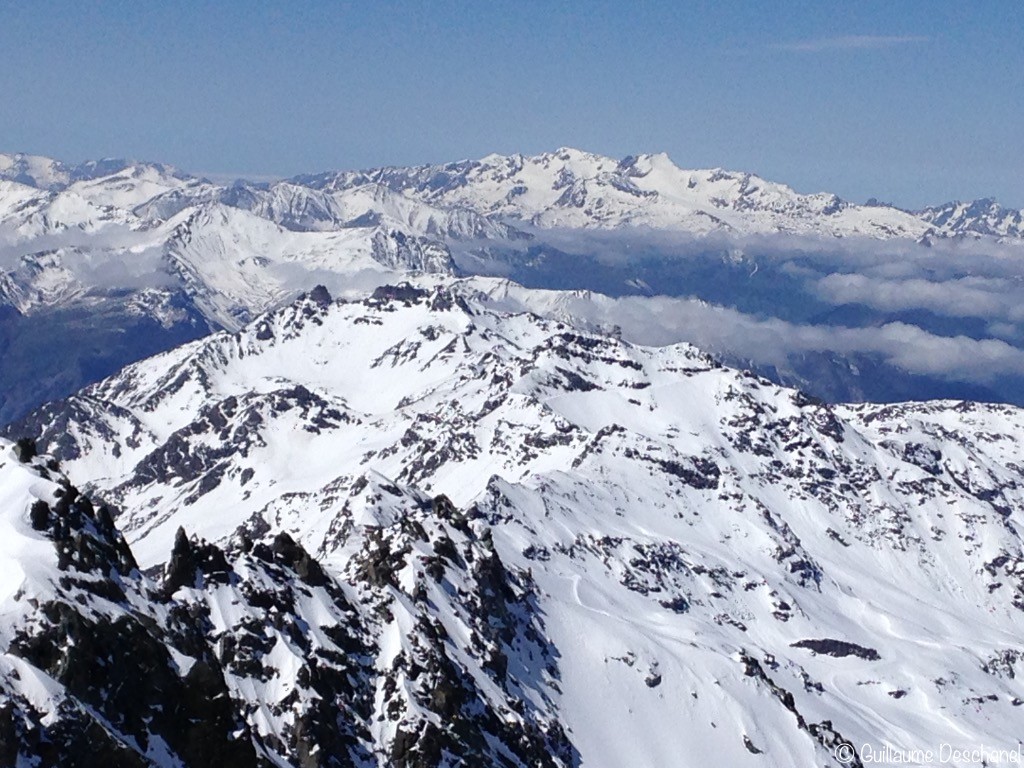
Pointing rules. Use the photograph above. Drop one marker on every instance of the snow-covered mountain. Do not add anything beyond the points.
(476, 199)
(570, 188)
(47, 173)
(137, 257)
(977, 218)
(105, 263)
(303, 209)
(235, 264)
(98, 668)
(254, 655)
(550, 546)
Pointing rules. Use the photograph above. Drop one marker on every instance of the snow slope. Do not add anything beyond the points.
(710, 566)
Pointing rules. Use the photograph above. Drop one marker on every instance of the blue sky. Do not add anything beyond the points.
(913, 102)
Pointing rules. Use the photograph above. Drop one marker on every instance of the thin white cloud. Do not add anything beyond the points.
(850, 43)
(967, 296)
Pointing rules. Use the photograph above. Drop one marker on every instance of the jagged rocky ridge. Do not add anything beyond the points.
(253, 654)
(976, 218)
(687, 560)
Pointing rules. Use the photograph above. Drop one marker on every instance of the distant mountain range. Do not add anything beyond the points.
(565, 188)
(108, 261)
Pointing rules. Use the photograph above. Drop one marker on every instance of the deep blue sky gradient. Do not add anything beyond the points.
(913, 101)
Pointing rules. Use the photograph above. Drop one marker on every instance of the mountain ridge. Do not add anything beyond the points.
(164, 256)
(720, 563)
(252, 655)
(579, 165)
(433, 182)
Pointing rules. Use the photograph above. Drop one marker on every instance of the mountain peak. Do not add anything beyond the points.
(34, 170)
(983, 217)
(469, 521)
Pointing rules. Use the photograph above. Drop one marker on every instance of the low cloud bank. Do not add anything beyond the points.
(973, 284)
(660, 320)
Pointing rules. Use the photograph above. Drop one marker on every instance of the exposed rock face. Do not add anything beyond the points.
(129, 679)
(469, 698)
(838, 648)
(255, 655)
